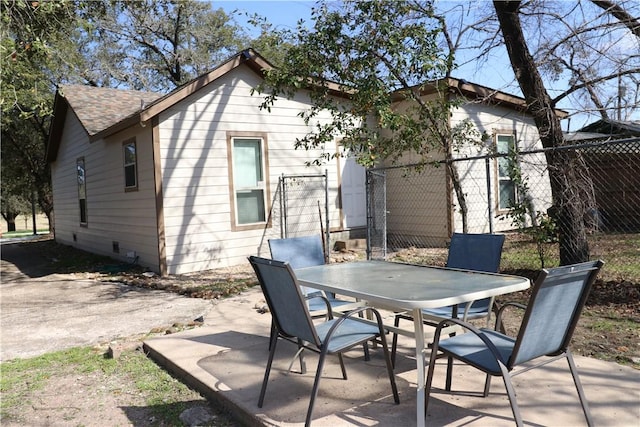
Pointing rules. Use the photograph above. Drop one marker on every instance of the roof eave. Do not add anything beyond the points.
(255, 62)
(495, 96)
(476, 91)
(123, 124)
(60, 108)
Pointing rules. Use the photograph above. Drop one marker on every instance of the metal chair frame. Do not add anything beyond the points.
(550, 317)
(308, 251)
(293, 323)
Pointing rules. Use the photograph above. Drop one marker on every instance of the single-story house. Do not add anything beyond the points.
(421, 207)
(184, 182)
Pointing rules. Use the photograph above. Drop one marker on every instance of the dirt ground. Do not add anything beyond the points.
(609, 330)
(48, 307)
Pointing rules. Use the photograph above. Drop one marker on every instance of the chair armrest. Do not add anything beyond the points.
(477, 332)
(501, 310)
(326, 302)
(352, 313)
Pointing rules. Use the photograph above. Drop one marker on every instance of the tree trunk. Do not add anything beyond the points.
(10, 218)
(460, 196)
(565, 172)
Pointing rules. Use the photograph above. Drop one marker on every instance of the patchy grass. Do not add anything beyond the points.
(132, 378)
(24, 233)
(21, 377)
(621, 253)
(606, 335)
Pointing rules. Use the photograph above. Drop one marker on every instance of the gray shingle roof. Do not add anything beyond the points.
(98, 108)
(613, 127)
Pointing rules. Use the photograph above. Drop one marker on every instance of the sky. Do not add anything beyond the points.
(496, 73)
(282, 13)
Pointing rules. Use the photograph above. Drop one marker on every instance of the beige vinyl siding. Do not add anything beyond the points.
(114, 215)
(194, 161)
(417, 201)
(64, 183)
(417, 205)
(492, 120)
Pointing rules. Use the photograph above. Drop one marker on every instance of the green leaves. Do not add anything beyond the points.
(366, 62)
(155, 45)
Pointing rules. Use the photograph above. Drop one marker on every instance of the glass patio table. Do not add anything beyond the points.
(408, 287)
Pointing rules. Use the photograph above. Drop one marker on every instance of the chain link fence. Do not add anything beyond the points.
(413, 211)
(299, 207)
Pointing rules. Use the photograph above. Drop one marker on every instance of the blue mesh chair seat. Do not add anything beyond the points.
(550, 317)
(293, 322)
(317, 306)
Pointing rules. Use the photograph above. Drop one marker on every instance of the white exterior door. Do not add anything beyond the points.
(353, 190)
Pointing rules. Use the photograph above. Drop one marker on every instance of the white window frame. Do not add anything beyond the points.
(237, 188)
(81, 178)
(134, 164)
(501, 178)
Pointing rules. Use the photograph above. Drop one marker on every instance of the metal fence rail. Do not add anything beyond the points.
(413, 211)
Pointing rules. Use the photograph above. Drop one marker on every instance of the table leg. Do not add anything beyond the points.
(454, 315)
(420, 364)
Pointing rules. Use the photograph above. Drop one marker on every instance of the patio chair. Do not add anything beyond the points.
(478, 252)
(293, 323)
(306, 251)
(550, 317)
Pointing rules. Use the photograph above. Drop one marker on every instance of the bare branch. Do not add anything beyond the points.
(632, 23)
(575, 88)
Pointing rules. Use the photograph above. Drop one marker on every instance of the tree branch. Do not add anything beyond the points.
(620, 14)
(592, 82)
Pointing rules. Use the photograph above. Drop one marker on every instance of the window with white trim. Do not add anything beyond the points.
(82, 189)
(130, 165)
(507, 192)
(249, 182)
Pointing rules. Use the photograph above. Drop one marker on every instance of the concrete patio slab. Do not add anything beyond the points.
(225, 360)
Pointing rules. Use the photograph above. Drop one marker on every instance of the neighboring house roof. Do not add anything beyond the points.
(605, 129)
(583, 136)
(613, 127)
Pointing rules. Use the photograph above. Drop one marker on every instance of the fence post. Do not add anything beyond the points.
(368, 194)
(283, 210)
(326, 215)
(487, 165)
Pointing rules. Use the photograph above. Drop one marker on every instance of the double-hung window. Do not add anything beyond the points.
(507, 192)
(82, 189)
(249, 178)
(130, 165)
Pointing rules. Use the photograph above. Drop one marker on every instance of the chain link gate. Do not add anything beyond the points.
(300, 207)
(376, 214)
